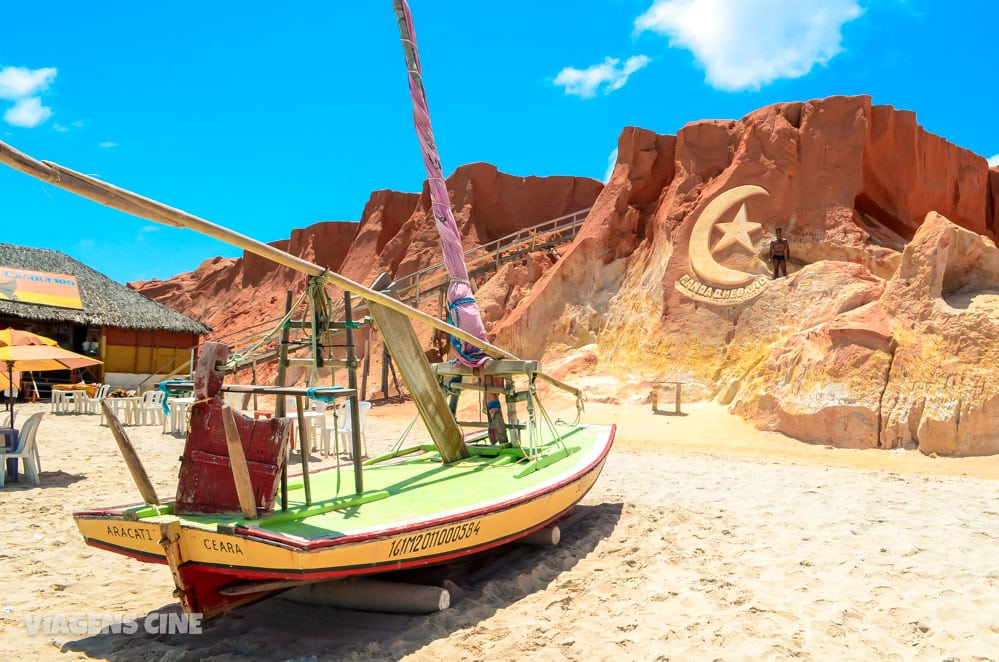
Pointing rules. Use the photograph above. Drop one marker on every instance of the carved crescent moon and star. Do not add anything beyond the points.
(714, 282)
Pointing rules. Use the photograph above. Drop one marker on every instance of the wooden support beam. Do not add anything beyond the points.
(546, 537)
(279, 402)
(406, 351)
(355, 412)
(251, 588)
(132, 460)
(491, 367)
(373, 595)
(137, 205)
(305, 446)
(465, 386)
(170, 541)
(237, 461)
(327, 363)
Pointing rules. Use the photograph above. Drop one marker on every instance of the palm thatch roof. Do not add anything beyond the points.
(105, 302)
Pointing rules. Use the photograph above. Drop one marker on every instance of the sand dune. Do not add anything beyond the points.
(703, 539)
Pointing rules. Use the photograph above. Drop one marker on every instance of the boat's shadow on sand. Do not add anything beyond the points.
(277, 629)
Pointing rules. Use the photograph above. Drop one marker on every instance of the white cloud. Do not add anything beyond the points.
(994, 161)
(611, 162)
(22, 86)
(28, 112)
(744, 44)
(603, 78)
(18, 82)
(107, 144)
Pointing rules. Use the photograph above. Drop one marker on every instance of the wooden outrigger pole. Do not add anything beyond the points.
(389, 313)
(137, 205)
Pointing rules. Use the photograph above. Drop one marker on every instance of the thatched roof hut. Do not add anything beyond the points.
(105, 302)
(138, 340)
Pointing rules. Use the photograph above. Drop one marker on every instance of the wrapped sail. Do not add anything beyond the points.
(463, 311)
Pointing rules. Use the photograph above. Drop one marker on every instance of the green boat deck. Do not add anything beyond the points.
(413, 485)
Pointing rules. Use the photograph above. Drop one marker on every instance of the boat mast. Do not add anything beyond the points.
(462, 309)
(157, 212)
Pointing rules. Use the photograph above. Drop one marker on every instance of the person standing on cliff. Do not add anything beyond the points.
(780, 252)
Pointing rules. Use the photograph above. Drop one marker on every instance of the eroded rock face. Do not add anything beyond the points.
(912, 368)
(396, 235)
(881, 336)
(810, 357)
(818, 355)
(944, 309)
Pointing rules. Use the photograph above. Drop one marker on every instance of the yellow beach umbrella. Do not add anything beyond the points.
(37, 354)
(11, 336)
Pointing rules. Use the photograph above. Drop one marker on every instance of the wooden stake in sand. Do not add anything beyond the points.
(132, 460)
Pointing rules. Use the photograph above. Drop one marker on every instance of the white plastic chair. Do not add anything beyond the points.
(62, 401)
(27, 452)
(314, 421)
(151, 408)
(176, 421)
(93, 405)
(235, 400)
(344, 428)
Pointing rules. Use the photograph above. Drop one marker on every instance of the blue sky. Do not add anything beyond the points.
(265, 117)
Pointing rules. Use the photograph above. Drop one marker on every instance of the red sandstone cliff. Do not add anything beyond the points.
(846, 350)
(396, 235)
(851, 185)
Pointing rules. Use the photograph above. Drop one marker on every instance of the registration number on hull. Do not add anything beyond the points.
(427, 540)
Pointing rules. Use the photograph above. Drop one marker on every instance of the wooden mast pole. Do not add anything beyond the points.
(390, 313)
(137, 205)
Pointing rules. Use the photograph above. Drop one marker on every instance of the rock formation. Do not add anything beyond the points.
(878, 338)
(830, 354)
(396, 235)
(910, 365)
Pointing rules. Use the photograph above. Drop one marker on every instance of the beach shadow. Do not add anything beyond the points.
(581, 530)
(131, 637)
(277, 629)
(295, 458)
(59, 479)
(48, 479)
(660, 412)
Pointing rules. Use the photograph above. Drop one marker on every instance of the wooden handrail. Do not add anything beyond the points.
(409, 288)
(405, 285)
(489, 250)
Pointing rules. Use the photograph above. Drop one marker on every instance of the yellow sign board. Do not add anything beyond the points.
(27, 286)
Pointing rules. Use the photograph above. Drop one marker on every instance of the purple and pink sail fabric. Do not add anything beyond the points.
(463, 311)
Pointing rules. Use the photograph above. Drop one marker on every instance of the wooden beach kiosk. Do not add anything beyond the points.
(50, 293)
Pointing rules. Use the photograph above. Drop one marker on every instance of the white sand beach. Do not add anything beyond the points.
(703, 539)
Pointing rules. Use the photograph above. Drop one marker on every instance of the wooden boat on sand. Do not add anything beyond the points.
(414, 509)
(241, 528)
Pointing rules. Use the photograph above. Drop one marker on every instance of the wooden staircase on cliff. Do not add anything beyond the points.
(485, 260)
(431, 281)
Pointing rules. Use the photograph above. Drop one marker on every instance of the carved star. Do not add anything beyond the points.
(737, 231)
